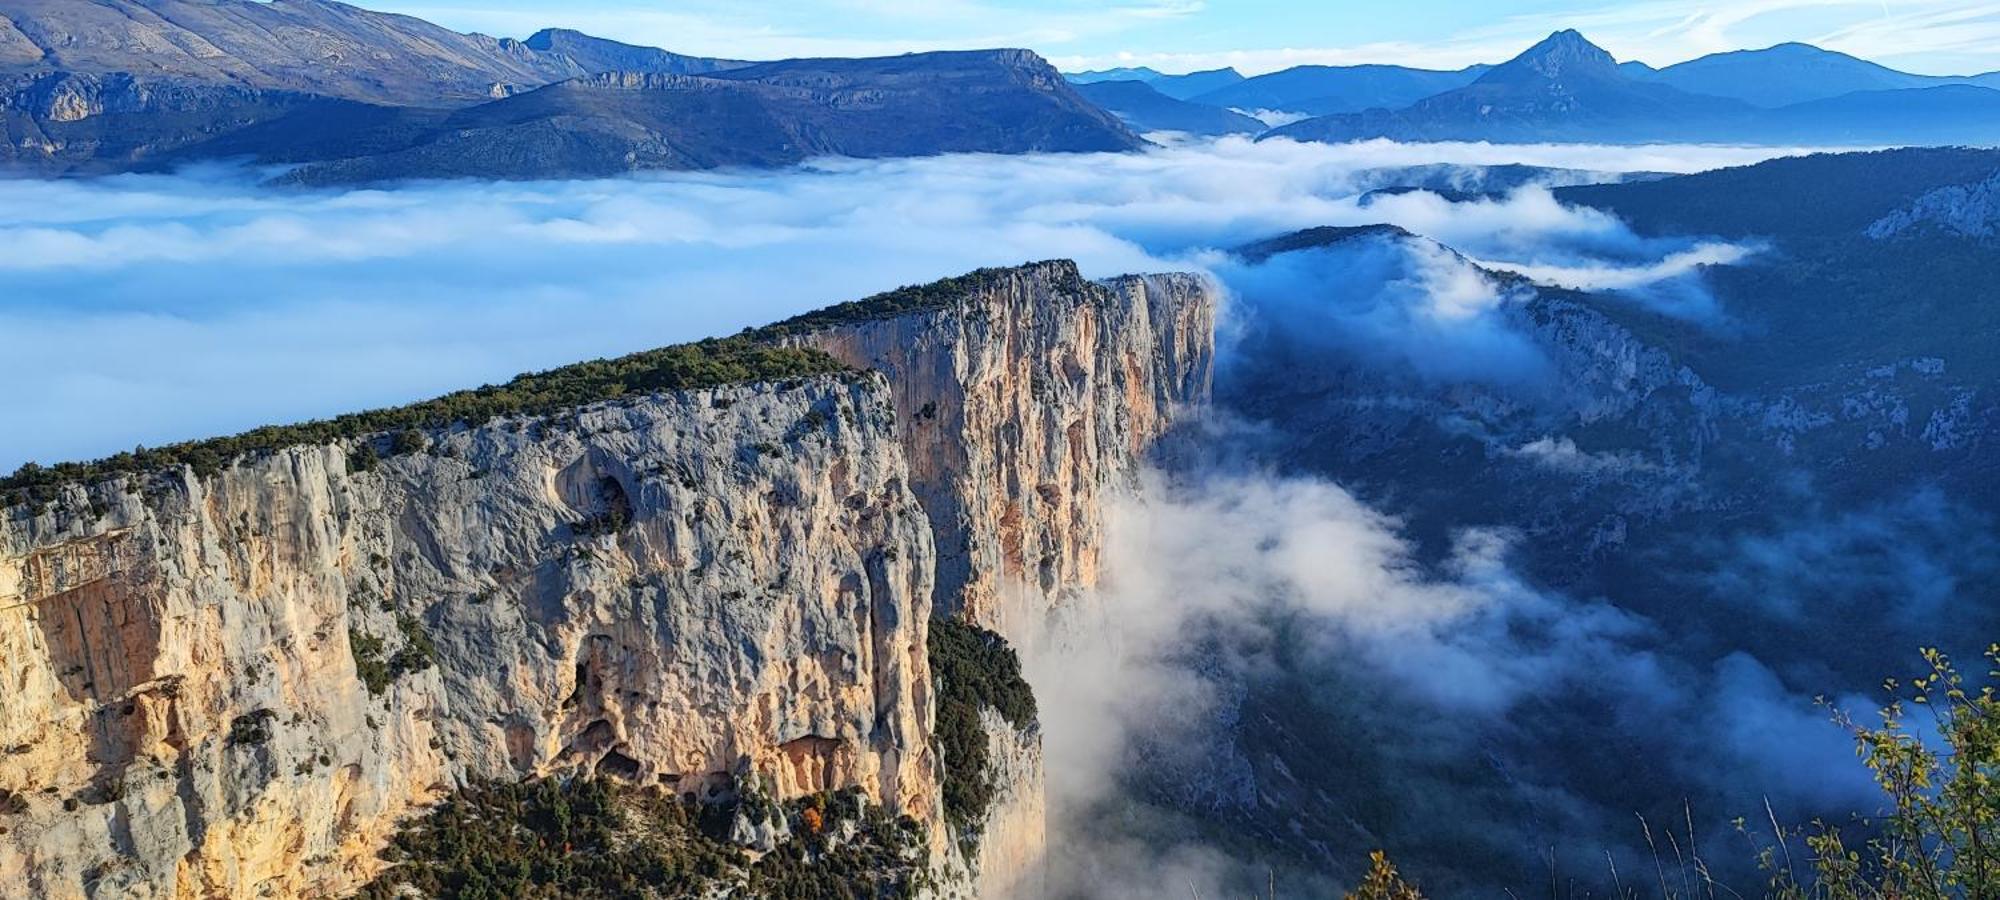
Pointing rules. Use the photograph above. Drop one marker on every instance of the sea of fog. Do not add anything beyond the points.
(151, 309)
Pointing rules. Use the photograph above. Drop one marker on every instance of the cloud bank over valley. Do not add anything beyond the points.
(152, 309)
(1395, 589)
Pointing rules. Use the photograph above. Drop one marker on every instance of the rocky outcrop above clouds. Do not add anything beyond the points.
(239, 683)
(236, 685)
(1022, 408)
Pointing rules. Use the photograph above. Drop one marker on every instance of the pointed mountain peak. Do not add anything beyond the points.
(1563, 54)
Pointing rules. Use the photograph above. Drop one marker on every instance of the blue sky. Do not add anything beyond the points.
(1930, 36)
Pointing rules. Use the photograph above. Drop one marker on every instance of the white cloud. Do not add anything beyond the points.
(1563, 455)
(154, 308)
(1230, 560)
(1273, 118)
(1220, 580)
(1620, 278)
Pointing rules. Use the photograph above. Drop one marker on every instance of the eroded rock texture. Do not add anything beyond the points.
(238, 684)
(1022, 408)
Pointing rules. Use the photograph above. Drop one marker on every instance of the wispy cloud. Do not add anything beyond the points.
(1438, 676)
(1628, 277)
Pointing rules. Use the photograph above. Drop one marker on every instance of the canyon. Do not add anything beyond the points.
(241, 678)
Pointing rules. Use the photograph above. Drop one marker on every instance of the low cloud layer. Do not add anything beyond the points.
(1476, 707)
(1389, 303)
(1462, 697)
(147, 309)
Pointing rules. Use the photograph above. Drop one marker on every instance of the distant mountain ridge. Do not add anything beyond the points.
(95, 86)
(1325, 90)
(1564, 88)
(308, 46)
(595, 54)
(1568, 89)
(1178, 87)
(1793, 73)
(765, 115)
(1146, 109)
(1779, 75)
(345, 93)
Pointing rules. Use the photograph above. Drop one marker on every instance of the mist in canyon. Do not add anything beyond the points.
(1267, 604)
(332, 301)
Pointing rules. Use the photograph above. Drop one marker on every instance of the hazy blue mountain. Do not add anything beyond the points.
(1945, 115)
(63, 123)
(1787, 74)
(1179, 87)
(1139, 73)
(1321, 237)
(1146, 109)
(1195, 84)
(1324, 90)
(595, 54)
(1567, 89)
(771, 114)
(1822, 195)
(1562, 89)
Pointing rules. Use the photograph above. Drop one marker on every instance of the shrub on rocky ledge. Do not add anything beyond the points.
(593, 838)
(973, 670)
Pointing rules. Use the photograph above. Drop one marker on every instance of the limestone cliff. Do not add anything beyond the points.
(671, 591)
(1010, 858)
(238, 682)
(1022, 406)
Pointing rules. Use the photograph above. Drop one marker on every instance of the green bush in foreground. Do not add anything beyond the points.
(1938, 837)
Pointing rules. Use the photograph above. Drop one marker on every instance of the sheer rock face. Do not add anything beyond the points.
(675, 591)
(681, 590)
(1022, 409)
(1015, 841)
